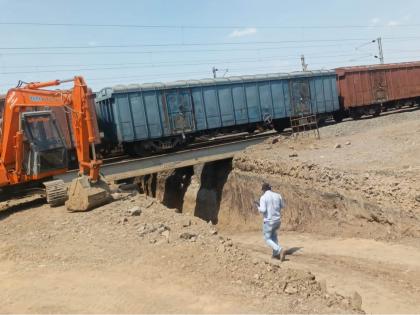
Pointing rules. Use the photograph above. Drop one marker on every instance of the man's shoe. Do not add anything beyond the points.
(276, 257)
(282, 254)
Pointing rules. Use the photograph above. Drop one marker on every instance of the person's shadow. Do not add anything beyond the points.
(290, 251)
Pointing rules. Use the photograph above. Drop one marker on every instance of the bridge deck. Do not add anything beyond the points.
(149, 165)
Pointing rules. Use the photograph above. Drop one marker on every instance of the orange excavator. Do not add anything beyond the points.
(33, 149)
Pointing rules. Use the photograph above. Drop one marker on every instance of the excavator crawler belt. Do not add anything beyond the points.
(56, 192)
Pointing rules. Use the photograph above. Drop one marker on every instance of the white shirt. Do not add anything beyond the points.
(270, 206)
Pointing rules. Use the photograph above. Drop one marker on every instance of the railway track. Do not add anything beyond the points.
(124, 168)
(196, 145)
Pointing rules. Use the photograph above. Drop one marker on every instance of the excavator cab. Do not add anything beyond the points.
(43, 147)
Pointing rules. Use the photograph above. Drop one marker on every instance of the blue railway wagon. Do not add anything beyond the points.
(162, 115)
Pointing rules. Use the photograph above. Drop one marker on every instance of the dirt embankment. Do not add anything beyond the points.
(321, 200)
(361, 179)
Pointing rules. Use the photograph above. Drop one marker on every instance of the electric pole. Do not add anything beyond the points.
(304, 65)
(214, 70)
(381, 52)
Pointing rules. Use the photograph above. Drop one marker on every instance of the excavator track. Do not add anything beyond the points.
(56, 192)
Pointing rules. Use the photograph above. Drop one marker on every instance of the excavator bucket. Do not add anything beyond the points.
(84, 195)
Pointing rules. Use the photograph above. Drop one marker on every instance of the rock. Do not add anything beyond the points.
(187, 236)
(348, 142)
(257, 276)
(162, 228)
(290, 289)
(134, 211)
(275, 140)
(337, 146)
(229, 243)
(125, 220)
(356, 301)
(213, 231)
(166, 234)
(116, 196)
(147, 229)
(187, 223)
(418, 198)
(255, 261)
(294, 154)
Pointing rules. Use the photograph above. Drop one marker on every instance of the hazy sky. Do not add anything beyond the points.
(157, 40)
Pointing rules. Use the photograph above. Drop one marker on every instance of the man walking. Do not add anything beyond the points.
(270, 206)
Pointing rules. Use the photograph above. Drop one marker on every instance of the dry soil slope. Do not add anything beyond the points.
(361, 179)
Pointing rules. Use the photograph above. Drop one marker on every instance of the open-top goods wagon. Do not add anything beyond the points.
(151, 117)
(365, 90)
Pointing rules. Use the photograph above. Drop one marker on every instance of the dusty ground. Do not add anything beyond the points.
(160, 261)
(386, 275)
(351, 226)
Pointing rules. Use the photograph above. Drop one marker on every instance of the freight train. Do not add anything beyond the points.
(150, 118)
(147, 118)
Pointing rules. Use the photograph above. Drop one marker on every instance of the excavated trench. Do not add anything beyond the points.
(195, 190)
(224, 192)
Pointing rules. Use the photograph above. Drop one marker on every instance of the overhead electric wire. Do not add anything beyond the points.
(198, 63)
(186, 44)
(325, 40)
(178, 62)
(205, 73)
(156, 64)
(141, 52)
(132, 52)
(186, 26)
(162, 51)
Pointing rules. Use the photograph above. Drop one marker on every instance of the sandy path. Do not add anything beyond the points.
(118, 289)
(386, 275)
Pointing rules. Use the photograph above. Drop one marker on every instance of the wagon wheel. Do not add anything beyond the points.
(355, 115)
(377, 111)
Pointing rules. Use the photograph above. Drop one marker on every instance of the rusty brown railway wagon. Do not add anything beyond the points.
(364, 90)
